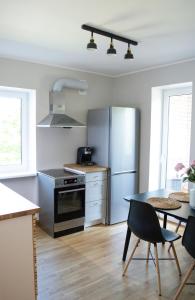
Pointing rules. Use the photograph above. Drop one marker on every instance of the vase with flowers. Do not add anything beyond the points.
(188, 174)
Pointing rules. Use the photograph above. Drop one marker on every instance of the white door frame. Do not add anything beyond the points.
(165, 127)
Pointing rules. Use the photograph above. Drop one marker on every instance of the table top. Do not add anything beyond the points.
(13, 205)
(181, 213)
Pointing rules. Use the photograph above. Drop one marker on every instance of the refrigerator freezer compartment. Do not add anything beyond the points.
(121, 186)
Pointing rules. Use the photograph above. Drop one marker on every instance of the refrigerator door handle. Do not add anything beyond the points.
(124, 172)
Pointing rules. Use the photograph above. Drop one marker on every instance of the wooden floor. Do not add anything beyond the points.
(88, 266)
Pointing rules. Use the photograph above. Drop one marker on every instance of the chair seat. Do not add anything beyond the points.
(170, 236)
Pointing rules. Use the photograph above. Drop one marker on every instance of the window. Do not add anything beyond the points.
(17, 132)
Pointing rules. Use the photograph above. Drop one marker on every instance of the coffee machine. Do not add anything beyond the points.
(84, 156)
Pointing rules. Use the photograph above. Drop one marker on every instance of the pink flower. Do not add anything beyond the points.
(184, 171)
(193, 163)
(179, 166)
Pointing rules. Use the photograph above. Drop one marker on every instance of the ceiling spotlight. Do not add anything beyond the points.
(111, 50)
(113, 36)
(91, 45)
(129, 54)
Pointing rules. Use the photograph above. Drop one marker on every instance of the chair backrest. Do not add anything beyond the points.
(188, 238)
(144, 222)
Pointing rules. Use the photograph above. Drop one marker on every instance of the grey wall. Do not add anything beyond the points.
(135, 90)
(58, 146)
(54, 146)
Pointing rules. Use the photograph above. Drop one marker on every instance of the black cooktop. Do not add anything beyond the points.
(58, 173)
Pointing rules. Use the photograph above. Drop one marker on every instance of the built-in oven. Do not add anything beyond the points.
(69, 203)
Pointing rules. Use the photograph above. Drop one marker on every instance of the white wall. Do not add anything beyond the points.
(54, 146)
(58, 146)
(135, 90)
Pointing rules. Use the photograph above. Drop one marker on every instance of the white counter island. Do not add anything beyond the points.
(18, 279)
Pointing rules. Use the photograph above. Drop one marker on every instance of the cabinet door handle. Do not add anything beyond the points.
(125, 172)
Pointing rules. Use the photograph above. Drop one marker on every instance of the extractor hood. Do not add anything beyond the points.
(57, 117)
(59, 120)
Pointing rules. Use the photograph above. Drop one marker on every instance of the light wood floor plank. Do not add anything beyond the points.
(88, 266)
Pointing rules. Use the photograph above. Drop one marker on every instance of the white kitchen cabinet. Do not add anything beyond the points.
(95, 198)
(96, 176)
(18, 278)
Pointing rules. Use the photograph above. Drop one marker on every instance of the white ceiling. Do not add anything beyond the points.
(49, 32)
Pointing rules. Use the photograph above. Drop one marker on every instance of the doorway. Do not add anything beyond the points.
(170, 134)
(176, 133)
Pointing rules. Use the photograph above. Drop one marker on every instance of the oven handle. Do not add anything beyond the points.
(69, 191)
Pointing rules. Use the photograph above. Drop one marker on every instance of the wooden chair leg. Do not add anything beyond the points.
(131, 256)
(176, 230)
(176, 259)
(187, 275)
(148, 252)
(157, 268)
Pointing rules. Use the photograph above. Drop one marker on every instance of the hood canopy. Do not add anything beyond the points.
(59, 121)
(62, 120)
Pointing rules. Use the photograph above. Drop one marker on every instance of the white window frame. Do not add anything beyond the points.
(28, 133)
(167, 93)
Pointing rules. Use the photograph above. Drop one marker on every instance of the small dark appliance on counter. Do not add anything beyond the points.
(84, 156)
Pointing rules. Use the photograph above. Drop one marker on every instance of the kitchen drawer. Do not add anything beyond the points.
(97, 176)
(94, 210)
(95, 190)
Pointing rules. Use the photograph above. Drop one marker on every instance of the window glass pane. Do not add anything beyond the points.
(10, 131)
(178, 133)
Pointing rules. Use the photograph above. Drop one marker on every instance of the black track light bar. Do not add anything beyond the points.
(108, 34)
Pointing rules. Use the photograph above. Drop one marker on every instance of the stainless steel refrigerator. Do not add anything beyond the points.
(114, 134)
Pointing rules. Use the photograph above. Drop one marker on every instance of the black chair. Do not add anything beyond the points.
(144, 223)
(189, 243)
(176, 230)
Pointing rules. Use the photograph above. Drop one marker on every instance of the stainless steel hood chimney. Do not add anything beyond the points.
(57, 117)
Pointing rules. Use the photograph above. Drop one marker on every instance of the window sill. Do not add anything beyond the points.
(17, 175)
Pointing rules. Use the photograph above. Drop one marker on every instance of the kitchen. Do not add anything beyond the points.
(56, 146)
(62, 193)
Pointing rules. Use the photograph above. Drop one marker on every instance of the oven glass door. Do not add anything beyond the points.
(69, 203)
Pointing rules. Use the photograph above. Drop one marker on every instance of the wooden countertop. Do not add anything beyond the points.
(13, 205)
(84, 169)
